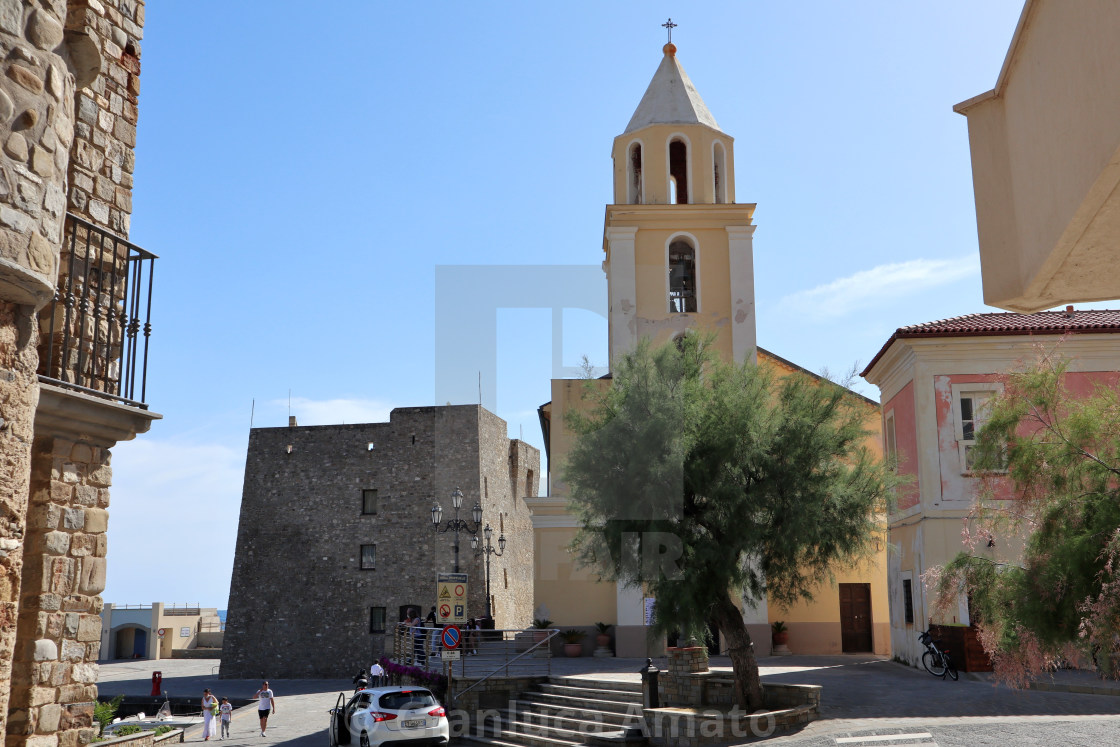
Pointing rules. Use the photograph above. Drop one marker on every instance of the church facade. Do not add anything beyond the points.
(678, 254)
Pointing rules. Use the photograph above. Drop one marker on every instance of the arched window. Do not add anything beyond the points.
(634, 171)
(678, 172)
(682, 277)
(719, 173)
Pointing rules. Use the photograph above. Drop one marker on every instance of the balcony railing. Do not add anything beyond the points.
(96, 332)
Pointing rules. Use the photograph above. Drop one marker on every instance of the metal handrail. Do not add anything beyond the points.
(552, 633)
(97, 329)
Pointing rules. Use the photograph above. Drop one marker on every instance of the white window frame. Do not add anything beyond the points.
(961, 390)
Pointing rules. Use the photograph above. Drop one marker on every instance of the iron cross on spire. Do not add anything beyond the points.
(669, 26)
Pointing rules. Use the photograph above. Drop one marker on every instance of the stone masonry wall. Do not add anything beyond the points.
(100, 182)
(504, 472)
(36, 127)
(299, 601)
(77, 52)
(54, 680)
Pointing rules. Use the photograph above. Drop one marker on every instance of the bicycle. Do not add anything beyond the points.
(936, 661)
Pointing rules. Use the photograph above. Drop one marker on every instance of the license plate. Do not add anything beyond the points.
(413, 723)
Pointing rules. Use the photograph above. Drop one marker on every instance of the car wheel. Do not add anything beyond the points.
(363, 740)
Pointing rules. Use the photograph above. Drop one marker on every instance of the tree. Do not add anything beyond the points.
(1061, 454)
(699, 479)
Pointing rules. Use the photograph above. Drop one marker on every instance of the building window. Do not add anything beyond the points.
(369, 557)
(890, 442)
(907, 601)
(682, 277)
(377, 619)
(971, 403)
(718, 174)
(678, 172)
(369, 501)
(634, 169)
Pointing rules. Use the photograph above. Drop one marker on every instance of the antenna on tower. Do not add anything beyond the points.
(252, 412)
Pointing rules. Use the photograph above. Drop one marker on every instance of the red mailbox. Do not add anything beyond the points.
(157, 681)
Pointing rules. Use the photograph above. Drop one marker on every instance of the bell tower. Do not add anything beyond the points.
(678, 247)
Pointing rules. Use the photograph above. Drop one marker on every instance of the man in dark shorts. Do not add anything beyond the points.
(265, 705)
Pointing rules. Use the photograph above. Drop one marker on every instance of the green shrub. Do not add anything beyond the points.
(104, 711)
(127, 729)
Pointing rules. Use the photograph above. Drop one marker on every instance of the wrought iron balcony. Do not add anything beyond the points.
(94, 335)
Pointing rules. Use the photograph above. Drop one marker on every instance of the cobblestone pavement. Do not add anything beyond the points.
(863, 696)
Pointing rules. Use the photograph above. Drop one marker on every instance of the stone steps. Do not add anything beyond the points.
(565, 712)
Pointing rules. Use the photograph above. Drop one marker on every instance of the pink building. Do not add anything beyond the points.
(934, 380)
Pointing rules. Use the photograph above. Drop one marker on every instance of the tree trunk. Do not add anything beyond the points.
(748, 689)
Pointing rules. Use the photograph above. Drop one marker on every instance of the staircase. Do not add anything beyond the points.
(563, 712)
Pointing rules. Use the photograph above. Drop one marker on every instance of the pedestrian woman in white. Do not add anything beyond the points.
(266, 704)
(208, 704)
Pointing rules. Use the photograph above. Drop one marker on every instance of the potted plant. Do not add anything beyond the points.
(602, 637)
(541, 625)
(779, 634)
(573, 642)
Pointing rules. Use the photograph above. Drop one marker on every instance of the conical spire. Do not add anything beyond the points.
(671, 98)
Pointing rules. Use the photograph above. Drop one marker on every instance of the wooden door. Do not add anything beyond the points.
(855, 618)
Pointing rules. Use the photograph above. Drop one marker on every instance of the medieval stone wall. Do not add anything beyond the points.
(58, 57)
(36, 127)
(299, 599)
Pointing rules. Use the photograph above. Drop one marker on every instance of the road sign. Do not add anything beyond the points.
(162, 632)
(450, 655)
(451, 598)
(451, 637)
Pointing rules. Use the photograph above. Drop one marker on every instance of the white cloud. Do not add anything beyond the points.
(883, 283)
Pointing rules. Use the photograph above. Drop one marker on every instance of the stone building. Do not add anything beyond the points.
(74, 324)
(336, 540)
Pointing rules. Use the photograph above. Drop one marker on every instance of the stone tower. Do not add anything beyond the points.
(678, 249)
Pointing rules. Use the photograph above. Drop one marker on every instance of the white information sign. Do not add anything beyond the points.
(451, 598)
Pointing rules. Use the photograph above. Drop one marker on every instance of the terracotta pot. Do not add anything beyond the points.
(602, 640)
(573, 650)
(780, 639)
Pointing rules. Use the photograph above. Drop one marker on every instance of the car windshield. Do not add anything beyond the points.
(407, 700)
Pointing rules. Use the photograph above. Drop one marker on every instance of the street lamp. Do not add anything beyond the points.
(488, 551)
(456, 525)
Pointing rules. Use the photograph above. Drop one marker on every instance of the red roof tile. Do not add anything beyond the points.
(1005, 323)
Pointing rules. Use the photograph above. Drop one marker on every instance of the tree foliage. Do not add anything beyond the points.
(696, 478)
(1061, 453)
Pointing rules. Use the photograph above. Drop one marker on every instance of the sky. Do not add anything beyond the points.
(306, 171)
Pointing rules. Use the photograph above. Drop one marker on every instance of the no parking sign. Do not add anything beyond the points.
(451, 637)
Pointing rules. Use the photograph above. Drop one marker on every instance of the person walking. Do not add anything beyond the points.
(266, 704)
(376, 674)
(225, 712)
(209, 704)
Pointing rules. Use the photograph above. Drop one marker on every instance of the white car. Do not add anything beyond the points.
(381, 715)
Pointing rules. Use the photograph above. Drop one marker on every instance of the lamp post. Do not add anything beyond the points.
(488, 551)
(456, 525)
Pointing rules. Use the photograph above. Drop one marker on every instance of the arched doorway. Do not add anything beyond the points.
(130, 643)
